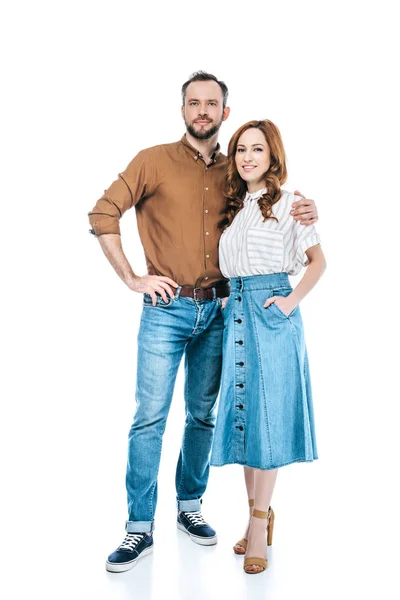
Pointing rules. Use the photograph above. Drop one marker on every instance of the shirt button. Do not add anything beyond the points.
(240, 427)
(195, 157)
(240, 342)
(205, 278)
(206, 210)
(207, 233)
(207, 256)
(206, 189)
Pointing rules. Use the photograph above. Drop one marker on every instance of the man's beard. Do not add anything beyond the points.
(202, 134)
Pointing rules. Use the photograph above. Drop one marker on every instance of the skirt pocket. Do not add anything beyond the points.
(283, 292)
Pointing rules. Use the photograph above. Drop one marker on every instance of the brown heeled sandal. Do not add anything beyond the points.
(243, 542)
(256, 561)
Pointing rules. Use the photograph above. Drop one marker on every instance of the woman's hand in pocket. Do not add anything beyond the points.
(224, 301)
(284, 303)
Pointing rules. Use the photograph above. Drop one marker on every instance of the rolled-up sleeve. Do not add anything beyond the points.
(133, 185)
(306, 237)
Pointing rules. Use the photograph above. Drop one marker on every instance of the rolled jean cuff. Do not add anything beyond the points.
(139, 526)
(189, 505)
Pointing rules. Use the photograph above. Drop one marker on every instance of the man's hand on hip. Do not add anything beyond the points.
(152, 284)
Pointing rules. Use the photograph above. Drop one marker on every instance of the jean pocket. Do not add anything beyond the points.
(147, 301)
(225, 309)
(280, 311)
(283, 292)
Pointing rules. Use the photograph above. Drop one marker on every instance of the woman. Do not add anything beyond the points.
(265, 416)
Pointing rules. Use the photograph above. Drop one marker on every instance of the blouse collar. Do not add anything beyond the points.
(255, 195)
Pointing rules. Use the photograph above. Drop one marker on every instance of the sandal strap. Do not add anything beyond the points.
(256, 561)
(251, 502)
(260, 514)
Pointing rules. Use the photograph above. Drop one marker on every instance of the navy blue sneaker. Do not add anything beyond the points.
(134, 546)
(194, 525)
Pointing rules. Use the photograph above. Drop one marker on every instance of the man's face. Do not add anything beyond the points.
(203, 110)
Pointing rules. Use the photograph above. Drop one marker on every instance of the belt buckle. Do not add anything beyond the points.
(194, 293)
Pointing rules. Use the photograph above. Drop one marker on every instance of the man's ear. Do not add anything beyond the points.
(226, 113)
(183, 111)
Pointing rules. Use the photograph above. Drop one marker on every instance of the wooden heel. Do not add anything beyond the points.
(270, 526)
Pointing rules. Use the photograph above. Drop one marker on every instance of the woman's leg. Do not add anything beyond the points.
(264, 482)
(249, 480)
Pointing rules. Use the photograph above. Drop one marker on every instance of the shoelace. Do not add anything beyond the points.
(131, 541)
(195, 518)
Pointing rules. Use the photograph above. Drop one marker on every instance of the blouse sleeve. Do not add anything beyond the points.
(306, 236)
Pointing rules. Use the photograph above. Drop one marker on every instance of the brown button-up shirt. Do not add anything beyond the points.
(178, 201)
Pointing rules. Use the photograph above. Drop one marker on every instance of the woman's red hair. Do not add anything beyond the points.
(236, 188)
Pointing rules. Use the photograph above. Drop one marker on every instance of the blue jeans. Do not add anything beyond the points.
(167, 331)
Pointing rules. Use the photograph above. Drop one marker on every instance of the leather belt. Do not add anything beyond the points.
(220, 290)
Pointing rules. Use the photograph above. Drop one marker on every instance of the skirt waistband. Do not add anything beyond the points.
(260, 282)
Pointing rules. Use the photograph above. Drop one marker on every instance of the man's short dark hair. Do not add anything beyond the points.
(203, 76)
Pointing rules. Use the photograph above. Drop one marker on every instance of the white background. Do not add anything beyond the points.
(85, 86)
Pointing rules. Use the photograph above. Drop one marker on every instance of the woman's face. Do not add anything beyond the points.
(253, 158)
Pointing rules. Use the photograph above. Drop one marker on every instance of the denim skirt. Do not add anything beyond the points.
(265, 415)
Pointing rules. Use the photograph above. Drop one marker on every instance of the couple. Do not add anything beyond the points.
(186, 194)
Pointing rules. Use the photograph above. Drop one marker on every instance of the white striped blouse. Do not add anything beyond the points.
(253, 247)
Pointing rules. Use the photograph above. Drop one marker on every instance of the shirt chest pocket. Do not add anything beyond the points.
(265, 250)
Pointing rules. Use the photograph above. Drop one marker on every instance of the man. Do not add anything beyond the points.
(177, 193)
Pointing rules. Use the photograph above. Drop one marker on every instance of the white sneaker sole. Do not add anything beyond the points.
(197, 539)
(121, 567)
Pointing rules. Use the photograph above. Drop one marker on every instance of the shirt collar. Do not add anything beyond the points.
(196, 154)
(255, 195)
